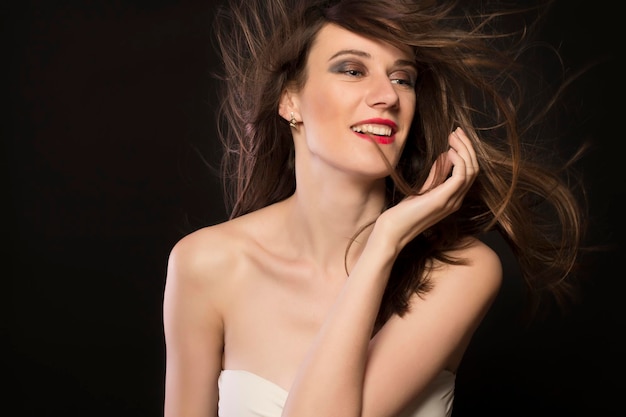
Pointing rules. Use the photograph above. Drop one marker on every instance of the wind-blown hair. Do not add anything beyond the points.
(469, 76)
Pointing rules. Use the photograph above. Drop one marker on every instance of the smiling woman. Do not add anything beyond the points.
(355, 88)
(369, 146)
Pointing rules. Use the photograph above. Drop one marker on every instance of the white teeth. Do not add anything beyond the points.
(378, 130)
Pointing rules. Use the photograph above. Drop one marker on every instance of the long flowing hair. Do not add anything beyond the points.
(471, 74)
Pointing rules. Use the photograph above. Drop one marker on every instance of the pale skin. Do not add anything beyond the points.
(268, 292)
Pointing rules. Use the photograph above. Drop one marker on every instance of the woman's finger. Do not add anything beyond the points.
(463, 145)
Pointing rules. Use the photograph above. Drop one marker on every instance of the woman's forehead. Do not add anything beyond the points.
(333, 38)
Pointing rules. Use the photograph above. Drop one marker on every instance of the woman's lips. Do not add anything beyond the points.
(383, 140)
(382, 131)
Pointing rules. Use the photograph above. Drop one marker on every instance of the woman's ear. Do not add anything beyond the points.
(287, 107)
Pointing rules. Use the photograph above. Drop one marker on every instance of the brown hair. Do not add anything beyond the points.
(470, 76)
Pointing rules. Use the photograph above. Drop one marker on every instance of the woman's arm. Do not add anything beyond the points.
(409, 351)
(331, 379)
(193, 334)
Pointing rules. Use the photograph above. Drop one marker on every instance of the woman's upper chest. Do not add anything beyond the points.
(272, 316)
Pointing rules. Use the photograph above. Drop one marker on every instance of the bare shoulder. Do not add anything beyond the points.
(480, 264)
(212, 257)
(208, 255)
(472, 284)
(203, 249)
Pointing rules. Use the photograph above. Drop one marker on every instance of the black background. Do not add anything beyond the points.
(109, 127)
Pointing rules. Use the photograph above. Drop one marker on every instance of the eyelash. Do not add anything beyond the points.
(400, 81)
(354, 72)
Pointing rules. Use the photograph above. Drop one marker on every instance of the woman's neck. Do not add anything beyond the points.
(323, 219)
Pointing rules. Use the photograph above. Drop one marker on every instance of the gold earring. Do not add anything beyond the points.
(292, 121)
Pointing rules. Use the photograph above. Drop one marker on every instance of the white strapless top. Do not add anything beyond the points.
(244, 394)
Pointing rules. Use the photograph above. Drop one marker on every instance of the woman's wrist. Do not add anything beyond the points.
(380, 245)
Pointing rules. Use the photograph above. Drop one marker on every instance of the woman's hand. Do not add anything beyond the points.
(404, 221)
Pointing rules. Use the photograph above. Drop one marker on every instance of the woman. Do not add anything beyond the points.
(369, 145)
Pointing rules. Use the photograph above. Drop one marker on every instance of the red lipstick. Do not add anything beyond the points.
(382, 139)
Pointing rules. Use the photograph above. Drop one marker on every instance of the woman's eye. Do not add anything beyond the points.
(353, 72)
(349, 68)
(403, 79)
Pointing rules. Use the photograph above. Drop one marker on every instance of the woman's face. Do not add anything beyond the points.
(355, 85)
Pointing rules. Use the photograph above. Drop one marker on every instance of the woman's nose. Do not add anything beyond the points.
(382, 92)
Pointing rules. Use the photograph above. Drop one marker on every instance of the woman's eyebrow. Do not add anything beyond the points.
(350, 52)
(406, 63)
(357, 52)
